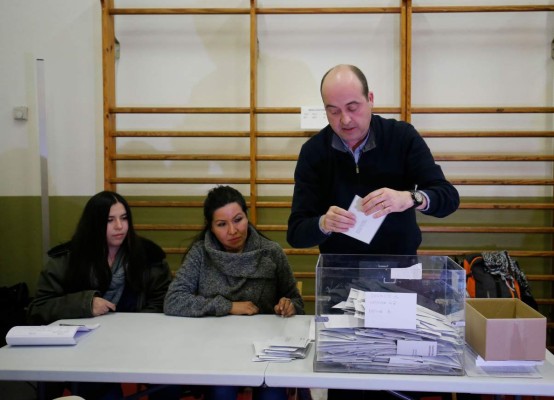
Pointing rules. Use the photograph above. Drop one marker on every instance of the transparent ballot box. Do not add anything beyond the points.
(389, 314)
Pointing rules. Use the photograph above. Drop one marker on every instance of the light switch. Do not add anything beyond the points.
(21, 113)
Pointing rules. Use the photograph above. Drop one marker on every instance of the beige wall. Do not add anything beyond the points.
(484, 59)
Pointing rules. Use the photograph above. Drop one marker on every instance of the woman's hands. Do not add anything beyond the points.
(101, 306)
(244, 308)
(285, 308)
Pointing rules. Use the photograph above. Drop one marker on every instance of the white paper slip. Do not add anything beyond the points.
(413, 272)
(313, 118)
(342, 321)
(47, 335)
(291, 342)
(472, 369)
(481, 362)
(366, 226)
(424, 348)
(83, 327)
(390, 310)
(274, 359)
(342, 305)
(404, 360)
(311, 335)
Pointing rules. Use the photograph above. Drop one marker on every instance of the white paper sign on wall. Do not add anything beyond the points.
(313, 118)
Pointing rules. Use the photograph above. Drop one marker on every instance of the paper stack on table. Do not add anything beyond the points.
(475, 365)
(44, 335)
(281, 349)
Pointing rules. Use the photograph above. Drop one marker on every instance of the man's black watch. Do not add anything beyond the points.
(417, 198)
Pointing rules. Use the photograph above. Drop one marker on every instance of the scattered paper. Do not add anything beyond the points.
(433, 346)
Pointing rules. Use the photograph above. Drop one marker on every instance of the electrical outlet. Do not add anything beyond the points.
(21, 113)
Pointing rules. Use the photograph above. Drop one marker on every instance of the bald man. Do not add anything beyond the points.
(384, 161)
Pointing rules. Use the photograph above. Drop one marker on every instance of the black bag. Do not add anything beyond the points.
(496, 274)
(13, 307)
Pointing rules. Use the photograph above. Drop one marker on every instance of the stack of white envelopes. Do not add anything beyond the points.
(281, 349)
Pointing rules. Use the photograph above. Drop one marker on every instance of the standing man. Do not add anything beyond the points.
(384, 161)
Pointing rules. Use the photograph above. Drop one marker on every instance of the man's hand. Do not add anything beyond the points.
(385, 201)
(337, 220)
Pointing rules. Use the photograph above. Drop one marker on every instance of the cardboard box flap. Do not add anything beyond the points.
(504, 308)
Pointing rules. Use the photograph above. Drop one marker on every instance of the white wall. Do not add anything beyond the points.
(67, 35)
(458, 60)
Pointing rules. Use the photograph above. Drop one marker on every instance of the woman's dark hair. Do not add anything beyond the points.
(88, 260)
(218, 197)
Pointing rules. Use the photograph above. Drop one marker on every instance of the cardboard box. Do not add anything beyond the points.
(505, 329)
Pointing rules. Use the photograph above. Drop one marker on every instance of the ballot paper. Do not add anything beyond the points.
(476, 366)
(281, 349)
(48, 335)
(413, 272)
(433, 346)
(366, 225)
(481, 362)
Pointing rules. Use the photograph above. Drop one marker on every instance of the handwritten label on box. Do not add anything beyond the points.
(390, 310)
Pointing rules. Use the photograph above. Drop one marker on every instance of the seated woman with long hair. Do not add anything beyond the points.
(105, 267)
(232, 269)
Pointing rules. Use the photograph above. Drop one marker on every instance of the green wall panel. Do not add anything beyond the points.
(21, 255)
(20, 240)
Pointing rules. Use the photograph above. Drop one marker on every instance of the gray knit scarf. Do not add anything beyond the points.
(117, 284)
